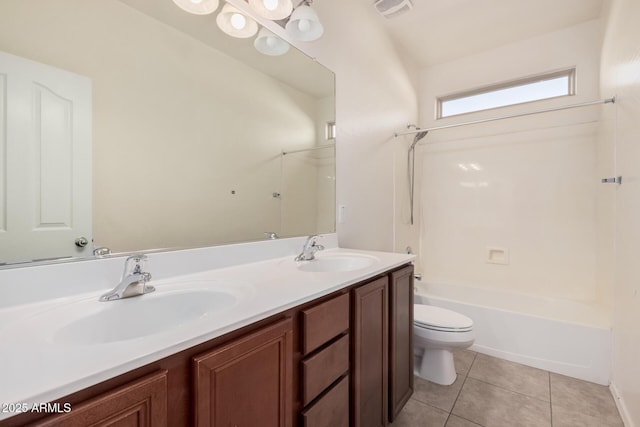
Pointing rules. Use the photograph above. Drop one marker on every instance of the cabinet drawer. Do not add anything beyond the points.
(332, 410)
(321, 370)
(324, 322)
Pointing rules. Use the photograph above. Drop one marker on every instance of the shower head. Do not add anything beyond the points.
(418, 136)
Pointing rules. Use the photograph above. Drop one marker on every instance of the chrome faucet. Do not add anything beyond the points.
(134, 280)
(309, 249)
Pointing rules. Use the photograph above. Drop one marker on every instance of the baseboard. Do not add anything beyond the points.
(586, 373)
(622, 407)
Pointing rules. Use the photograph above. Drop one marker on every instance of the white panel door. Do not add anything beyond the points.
(45, 161)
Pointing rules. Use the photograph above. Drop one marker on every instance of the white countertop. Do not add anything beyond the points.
(39, 365)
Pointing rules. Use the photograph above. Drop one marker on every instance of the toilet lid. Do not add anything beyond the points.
(441, 319)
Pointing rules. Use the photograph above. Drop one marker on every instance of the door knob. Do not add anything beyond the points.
(81, 242)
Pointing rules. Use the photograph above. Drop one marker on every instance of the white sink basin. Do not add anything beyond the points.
(337, 263)
(142, 316)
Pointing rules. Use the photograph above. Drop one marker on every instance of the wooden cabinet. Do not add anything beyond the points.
(345, 359)
(325, 367)
(247, 382)
(369, 329)
(400, 340)
(332, 410)
(141, 403)
(323, 322)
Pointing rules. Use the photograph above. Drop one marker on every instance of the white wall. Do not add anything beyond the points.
(375, 97)
(535, 188)
(176, 125)
(621, 75)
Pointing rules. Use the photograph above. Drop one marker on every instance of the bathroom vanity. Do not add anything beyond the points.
(334, 357)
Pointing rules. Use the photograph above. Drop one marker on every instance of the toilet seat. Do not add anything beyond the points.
(440, 319)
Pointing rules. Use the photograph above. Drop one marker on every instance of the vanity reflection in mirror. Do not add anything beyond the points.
(137, 126)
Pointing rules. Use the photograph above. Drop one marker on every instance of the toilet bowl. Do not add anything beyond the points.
(436, 333)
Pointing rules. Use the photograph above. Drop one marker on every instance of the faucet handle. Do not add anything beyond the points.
(314, 242)
(311, 240)
(138, 261)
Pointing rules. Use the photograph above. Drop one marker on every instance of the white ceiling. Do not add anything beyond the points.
(437, 31)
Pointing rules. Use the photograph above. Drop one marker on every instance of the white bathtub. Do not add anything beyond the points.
(563, 336)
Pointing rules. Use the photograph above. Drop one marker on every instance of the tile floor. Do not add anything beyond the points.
(491, 392)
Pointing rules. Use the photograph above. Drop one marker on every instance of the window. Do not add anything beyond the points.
(544, 86)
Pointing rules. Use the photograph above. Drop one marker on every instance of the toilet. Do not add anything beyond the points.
(436, 333)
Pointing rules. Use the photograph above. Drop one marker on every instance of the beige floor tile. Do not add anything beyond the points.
(441, 396)
(512, 376)
(463, 360)
(573, 398)
(562, 417)
(491, 392)
(455, 421)
(417, 414)
(493, 406)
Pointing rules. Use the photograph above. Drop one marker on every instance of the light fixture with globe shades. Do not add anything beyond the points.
(304, 24)
(270, 44)
(272, 9)
(301, 23)
(197, 7)
(235, 23)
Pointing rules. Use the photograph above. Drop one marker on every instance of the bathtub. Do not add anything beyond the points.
(562, 336)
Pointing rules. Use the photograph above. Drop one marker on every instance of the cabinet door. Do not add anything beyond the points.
(139, 403)
(247, 382)
(369, 363)
(400, 340)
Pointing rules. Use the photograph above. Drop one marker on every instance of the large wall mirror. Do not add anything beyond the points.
(137, 126)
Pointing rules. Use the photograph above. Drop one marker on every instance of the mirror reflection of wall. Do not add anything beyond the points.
(302, 209)
(187, 140)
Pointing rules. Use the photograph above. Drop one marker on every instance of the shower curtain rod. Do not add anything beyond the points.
(455, 125)
(284, 152)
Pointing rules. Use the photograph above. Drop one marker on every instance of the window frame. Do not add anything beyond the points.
(571, 91)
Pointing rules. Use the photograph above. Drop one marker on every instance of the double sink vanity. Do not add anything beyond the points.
(270, 342)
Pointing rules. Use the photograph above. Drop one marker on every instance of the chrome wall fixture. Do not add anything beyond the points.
(301, 23)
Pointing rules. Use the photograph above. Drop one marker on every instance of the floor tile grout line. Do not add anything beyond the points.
(550, 402)
(515, 391)
(433, 407)
(466, 375)
(512, 391)
(471, 421)
(460, 391)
